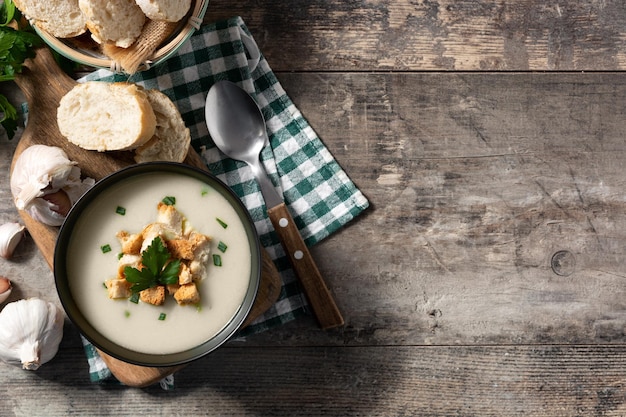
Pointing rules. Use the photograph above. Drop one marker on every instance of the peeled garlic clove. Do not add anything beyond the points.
(10, 235)
(5, 289)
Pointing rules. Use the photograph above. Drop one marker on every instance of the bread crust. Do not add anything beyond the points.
(167, 10)
(172, 138)
(116, 21)
(104, 116)
(60, 18)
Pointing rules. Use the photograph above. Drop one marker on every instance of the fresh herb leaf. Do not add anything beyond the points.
(141, 279)
(158, 269)
(204, 192)
(16, 45)
(169, 200)
(7, 12)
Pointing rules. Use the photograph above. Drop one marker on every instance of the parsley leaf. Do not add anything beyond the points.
(16, 45)
(158, 269)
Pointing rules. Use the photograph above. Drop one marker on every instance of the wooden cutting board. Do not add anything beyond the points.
(44, 84)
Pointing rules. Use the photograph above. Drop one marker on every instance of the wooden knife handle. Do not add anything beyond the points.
(318, 295)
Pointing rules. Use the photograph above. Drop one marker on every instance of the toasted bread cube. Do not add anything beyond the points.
(184, 276)
(127, 260)
(202, 250)
(118, 288)
(181, 248)
(154, 295)
(131, 243)
(171, 217)
(157, 229)
(187, 294)
(198, 270)
(172, 288)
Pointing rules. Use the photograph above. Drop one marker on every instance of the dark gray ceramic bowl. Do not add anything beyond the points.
(77, 317)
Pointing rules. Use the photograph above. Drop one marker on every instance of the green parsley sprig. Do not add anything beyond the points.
(158, 268)
(16, 45)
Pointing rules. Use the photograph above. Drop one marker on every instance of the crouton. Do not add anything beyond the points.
(157, 229)
(171, 217)
(184, 275)
(131, 243)
(172, 288)
(201, 252)
(154, 295)
(187, 294)
(133, 261)
(180, 249)
(118, 288)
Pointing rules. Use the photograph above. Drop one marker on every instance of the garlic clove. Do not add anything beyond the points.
(5, 289)
(60, 201)
(10, 235)
(43, 170)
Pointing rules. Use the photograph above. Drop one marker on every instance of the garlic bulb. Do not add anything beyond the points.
(10, 235)
(30, 332)
(46, 170)
(5, 289)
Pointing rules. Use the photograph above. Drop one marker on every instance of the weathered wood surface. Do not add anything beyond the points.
(477, 180)
(446, 35)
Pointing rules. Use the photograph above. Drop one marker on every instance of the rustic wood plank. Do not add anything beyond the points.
(484, 35)
(342, 381)
(476, 182)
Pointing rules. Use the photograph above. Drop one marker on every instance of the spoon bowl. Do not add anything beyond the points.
(240, 134)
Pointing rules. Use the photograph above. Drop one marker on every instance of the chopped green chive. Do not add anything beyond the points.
(104, 284)
(222, 246)
(221, 222)
(119, 255)
(126, 313)
(169, 200)
(134, 298)
(120, 210)
(105, 248)
(162, 316)
(217, 260)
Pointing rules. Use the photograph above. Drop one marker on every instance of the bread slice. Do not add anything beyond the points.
(60, 18)
(168, 10)
(116, 21)
(171, 139)
(106, 116)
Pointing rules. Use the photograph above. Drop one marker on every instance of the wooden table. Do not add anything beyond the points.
(487, 279)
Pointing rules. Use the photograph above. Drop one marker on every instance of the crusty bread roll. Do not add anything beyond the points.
(168, 10)
(106, 116)
(117, 21)
(60, 18)
(171, 139)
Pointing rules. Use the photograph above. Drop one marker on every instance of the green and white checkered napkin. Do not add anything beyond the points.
(319, 194)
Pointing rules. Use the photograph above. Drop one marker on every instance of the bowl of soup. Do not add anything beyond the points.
(140, 226)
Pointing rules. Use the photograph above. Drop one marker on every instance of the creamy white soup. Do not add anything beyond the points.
(142, 327)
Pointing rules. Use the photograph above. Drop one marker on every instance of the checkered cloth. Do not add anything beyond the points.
(318, 193)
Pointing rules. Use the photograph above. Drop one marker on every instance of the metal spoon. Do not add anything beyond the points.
(237, 127)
